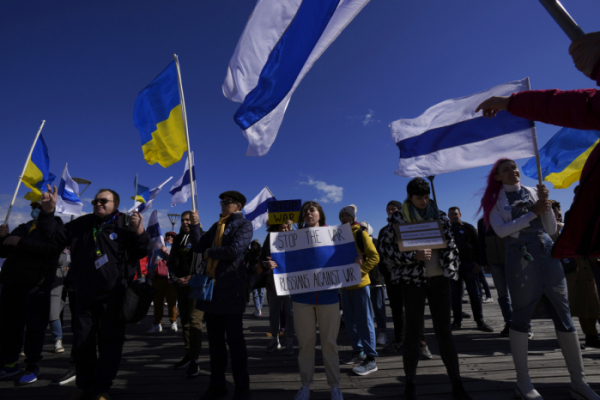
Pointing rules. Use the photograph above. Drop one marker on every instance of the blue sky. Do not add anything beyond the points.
(80, 65)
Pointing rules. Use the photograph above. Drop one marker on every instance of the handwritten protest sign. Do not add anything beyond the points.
(314, 259)
(281, 211)
(420, 236)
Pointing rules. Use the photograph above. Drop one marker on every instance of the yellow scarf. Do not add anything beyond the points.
(212, 264)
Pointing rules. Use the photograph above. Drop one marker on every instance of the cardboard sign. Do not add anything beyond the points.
(420, 236)
(282, 210)
(314, 259)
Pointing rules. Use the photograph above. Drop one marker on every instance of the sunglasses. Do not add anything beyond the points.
(101, 201)
(526, 255)
(227, 202)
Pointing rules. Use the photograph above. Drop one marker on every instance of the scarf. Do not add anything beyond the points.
(413, 214)
(212, 263)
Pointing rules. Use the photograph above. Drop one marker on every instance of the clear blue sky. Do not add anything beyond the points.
(80, 65)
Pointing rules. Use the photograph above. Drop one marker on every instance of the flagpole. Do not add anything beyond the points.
(266, 187)
(433, 188)
(187, 136)
(12, 202)
(135, 196)
(563, 19)
(536, 151)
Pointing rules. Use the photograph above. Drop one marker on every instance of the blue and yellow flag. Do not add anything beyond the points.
(37, 173)
(157, 115)
(564, 156)
(143, 193)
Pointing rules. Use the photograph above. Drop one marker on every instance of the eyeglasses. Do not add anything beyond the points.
(227, 202)
(101, 201)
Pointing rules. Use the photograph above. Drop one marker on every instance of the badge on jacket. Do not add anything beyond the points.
(226, 231)
(113, 236)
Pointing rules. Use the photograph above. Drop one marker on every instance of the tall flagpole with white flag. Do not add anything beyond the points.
(12, 202)
(187, 136)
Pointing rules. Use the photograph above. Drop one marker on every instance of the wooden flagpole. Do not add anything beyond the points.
(536, 150)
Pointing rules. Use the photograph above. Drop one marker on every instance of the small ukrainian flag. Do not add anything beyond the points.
(157, 115)
(563, 157)
(37, 173)
(142, 195)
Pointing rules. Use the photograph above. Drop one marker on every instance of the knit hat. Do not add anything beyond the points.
(365, 225)
(237, 196)
(395, 203)
(351, 209)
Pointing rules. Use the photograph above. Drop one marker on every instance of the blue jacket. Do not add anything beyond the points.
(229, 291)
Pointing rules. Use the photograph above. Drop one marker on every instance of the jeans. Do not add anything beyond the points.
(484, 285)
(499, 277)
(275, 303)
(259, 297)
(465, 272)
(166, 291)
(378, 303)
(358, 317)
(191, 322)
(56, 329)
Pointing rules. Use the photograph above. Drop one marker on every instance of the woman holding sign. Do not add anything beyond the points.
(424, 274)
(523, 216)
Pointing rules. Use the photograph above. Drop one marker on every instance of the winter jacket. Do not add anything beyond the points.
(404, 264)
(370, 257)
(465, 237)
(229, 291)
(182, 261)
(491, 247)
(33, 261)
(123, 247)
(375, 275)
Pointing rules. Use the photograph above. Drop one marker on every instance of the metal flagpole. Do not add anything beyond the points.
(12, 202)
(187, 136)
(433, 188)
(535, 142)
(270, 191)
(563, 19)
(136, 187)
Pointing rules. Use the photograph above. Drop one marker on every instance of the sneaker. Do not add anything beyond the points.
(214, 392)
(482, 326)
(529, 334)
(65, 378)
(174, 326)
(155, 328)
(289, 347)
(393, 347)
(382, 338)
(368, 366)
(6, 372)
(506, 331)
(58, 346)
(303, 393)
(30, 375)
(193, 369)
(336, 394)
(355, 357)
(185, 361)
(257, 313)
(487, 300)
(22, 354)
(456, 326)
(273, 345)
(425, 353)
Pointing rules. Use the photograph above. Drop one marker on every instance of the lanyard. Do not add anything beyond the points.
(96, 232)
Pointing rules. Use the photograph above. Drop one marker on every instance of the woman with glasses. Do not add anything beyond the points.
(523, 216)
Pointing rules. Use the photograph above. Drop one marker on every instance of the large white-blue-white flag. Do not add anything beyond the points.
(153, 229)
(143, 207)
(256, 211)
(451, 136)
(181, 189)
(281, 42)
(68, 202)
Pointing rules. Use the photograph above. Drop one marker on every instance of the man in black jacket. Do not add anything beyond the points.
(223, 247)
(105, 246)
(26, 276)
(183, 264)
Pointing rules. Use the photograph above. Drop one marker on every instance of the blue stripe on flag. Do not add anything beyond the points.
(315, 257)
(153, 230)
(460, 134)
(259, 210)
(286, 60)
(185, 181)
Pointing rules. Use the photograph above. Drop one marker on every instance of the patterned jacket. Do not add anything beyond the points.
(404, 265)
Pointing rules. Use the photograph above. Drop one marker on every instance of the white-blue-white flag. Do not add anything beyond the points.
(281, 42)
(256, 210)
(450, 136)
(143, 207)
(153, 229)
(68, 202)
(181, 189)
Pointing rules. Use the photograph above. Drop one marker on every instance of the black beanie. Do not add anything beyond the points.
(395, 203)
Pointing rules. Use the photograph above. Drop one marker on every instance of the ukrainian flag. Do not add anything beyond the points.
(564, 156)
(142, 195)
(157, 115)
(37, 173)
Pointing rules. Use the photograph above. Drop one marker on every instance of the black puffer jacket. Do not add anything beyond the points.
(229, 292)
(32, 261)
(180, 263)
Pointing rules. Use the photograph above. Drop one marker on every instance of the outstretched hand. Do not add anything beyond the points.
(49, 199)
(491, 106)
(586, 52)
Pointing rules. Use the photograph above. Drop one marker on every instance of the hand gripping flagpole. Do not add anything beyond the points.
(135, 195)
(23, 173)
(187, 136)
(535, 142)
(563, 19)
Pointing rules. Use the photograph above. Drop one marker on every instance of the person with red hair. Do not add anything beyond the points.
(523, 216)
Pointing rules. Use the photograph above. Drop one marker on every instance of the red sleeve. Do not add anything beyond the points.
(579, 109)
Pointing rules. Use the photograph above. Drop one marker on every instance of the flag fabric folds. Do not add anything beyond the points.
(153, 229)
(37, 173)
(142, 194)
(450, 136)
(68, 201)
(563, 157)
(279, 45)
(152, 193)
(157, 116)
(256, 211)
(181, 189)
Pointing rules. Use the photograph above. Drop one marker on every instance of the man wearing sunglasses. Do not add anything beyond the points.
(26, 276)
(223, 247)
(105, 246)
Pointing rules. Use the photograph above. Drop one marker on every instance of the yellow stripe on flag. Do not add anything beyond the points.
(572, 173)
(168, 141)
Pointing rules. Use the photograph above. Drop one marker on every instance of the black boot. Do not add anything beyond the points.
(410, 392)
(459, 392)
